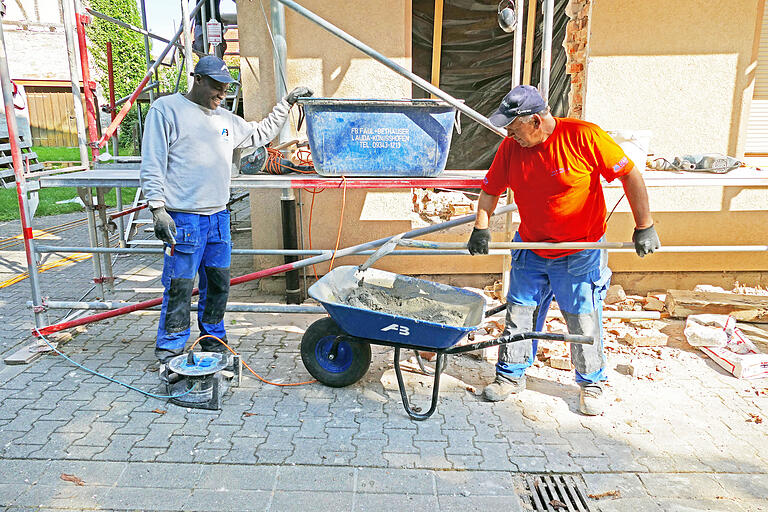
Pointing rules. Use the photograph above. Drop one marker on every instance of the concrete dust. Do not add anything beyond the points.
(410, 305)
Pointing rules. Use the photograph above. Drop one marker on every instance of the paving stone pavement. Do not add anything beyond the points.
(682, 442)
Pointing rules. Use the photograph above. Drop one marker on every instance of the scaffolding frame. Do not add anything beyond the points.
(87, 179)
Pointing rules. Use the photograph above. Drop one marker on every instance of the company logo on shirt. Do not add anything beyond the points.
(558, 171)
(622, 163)
(224, 132)
(485, 180)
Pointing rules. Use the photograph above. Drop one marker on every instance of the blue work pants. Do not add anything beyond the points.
(579, 283)
(203, 247)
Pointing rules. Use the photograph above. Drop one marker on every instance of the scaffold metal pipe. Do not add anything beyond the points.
(90, 109)
(290, 308)
(122, 100)
(453, 249)
(426, 244)
(231, 308)
(123, 24)
(128, 104)
(21, 187)
(77, 105)
(271, 271)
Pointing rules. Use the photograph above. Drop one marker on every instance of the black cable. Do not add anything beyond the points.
(614, 208)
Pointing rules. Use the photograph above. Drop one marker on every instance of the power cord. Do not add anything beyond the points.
(94, 372)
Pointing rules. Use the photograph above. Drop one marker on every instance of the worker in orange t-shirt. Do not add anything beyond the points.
(553, 166)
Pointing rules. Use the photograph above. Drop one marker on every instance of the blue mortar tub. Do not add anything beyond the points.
(359, 137)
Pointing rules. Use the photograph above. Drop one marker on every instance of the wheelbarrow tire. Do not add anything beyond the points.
(349, 365)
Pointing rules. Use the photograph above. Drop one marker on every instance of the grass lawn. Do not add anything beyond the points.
(56, 154)
(9, 204)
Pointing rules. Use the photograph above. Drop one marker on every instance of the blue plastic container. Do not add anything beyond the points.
(358, 137)
(383, 326)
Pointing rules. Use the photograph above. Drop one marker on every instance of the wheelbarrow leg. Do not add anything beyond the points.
(439, 366)
(427, 371)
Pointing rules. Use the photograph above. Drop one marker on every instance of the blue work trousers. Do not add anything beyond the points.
(203, 247)
(579, 283)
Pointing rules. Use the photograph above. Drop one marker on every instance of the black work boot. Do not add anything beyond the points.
(502, 387)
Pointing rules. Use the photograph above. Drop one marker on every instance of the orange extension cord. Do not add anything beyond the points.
(314, 192)
(262, 379)
(273, 165)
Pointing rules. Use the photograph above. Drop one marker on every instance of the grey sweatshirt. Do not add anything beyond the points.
(186, 154)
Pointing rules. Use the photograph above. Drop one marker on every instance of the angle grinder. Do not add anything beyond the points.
(202, 384)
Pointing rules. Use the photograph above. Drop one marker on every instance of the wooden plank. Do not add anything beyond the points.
(745, 308)
(437, 43)
(25, 355)
(61, 119)
(55, 114)
(33, 123)
(529, 41)
(49, 127)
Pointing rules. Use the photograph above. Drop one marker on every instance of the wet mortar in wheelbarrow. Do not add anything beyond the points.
(399, 311)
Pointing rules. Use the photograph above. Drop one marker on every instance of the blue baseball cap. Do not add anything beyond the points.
(214, 67)
(523, 100)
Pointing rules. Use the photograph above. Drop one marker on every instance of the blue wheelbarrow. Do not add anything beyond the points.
(337, 350)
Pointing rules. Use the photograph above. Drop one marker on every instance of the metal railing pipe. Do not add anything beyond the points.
(90, 109)
(69, 28)
(21, 183)
(122, 100)
(123, 24)
(546, 48)
(230, 308)
(187, 45)
(397, 68)
(290, 308)
(583, 245)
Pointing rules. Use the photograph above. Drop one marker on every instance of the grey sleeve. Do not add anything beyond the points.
(262, 132)
(154, 158)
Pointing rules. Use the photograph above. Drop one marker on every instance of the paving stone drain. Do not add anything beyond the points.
(556, 493)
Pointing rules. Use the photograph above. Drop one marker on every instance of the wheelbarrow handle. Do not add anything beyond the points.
(551, 336)
(510, 338)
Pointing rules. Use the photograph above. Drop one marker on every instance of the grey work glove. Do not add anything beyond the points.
(478, 241)
(646, 240)
(297, 93)
(165, 228)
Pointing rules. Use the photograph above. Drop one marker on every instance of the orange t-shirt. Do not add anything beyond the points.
(557, 183)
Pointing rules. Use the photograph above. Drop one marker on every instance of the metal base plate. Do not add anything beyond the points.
(206, 393)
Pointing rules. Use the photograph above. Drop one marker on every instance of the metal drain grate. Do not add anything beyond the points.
(556, 493)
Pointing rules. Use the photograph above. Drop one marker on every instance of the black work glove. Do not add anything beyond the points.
(165, 228)
(478, 241)
(646, 240)
(297, 93)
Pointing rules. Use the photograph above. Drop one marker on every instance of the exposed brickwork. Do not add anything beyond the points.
(576, 46)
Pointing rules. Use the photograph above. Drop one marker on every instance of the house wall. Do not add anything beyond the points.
(34, 38)
(684, 70)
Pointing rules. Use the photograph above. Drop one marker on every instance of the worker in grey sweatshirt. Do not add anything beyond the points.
(185, 174)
